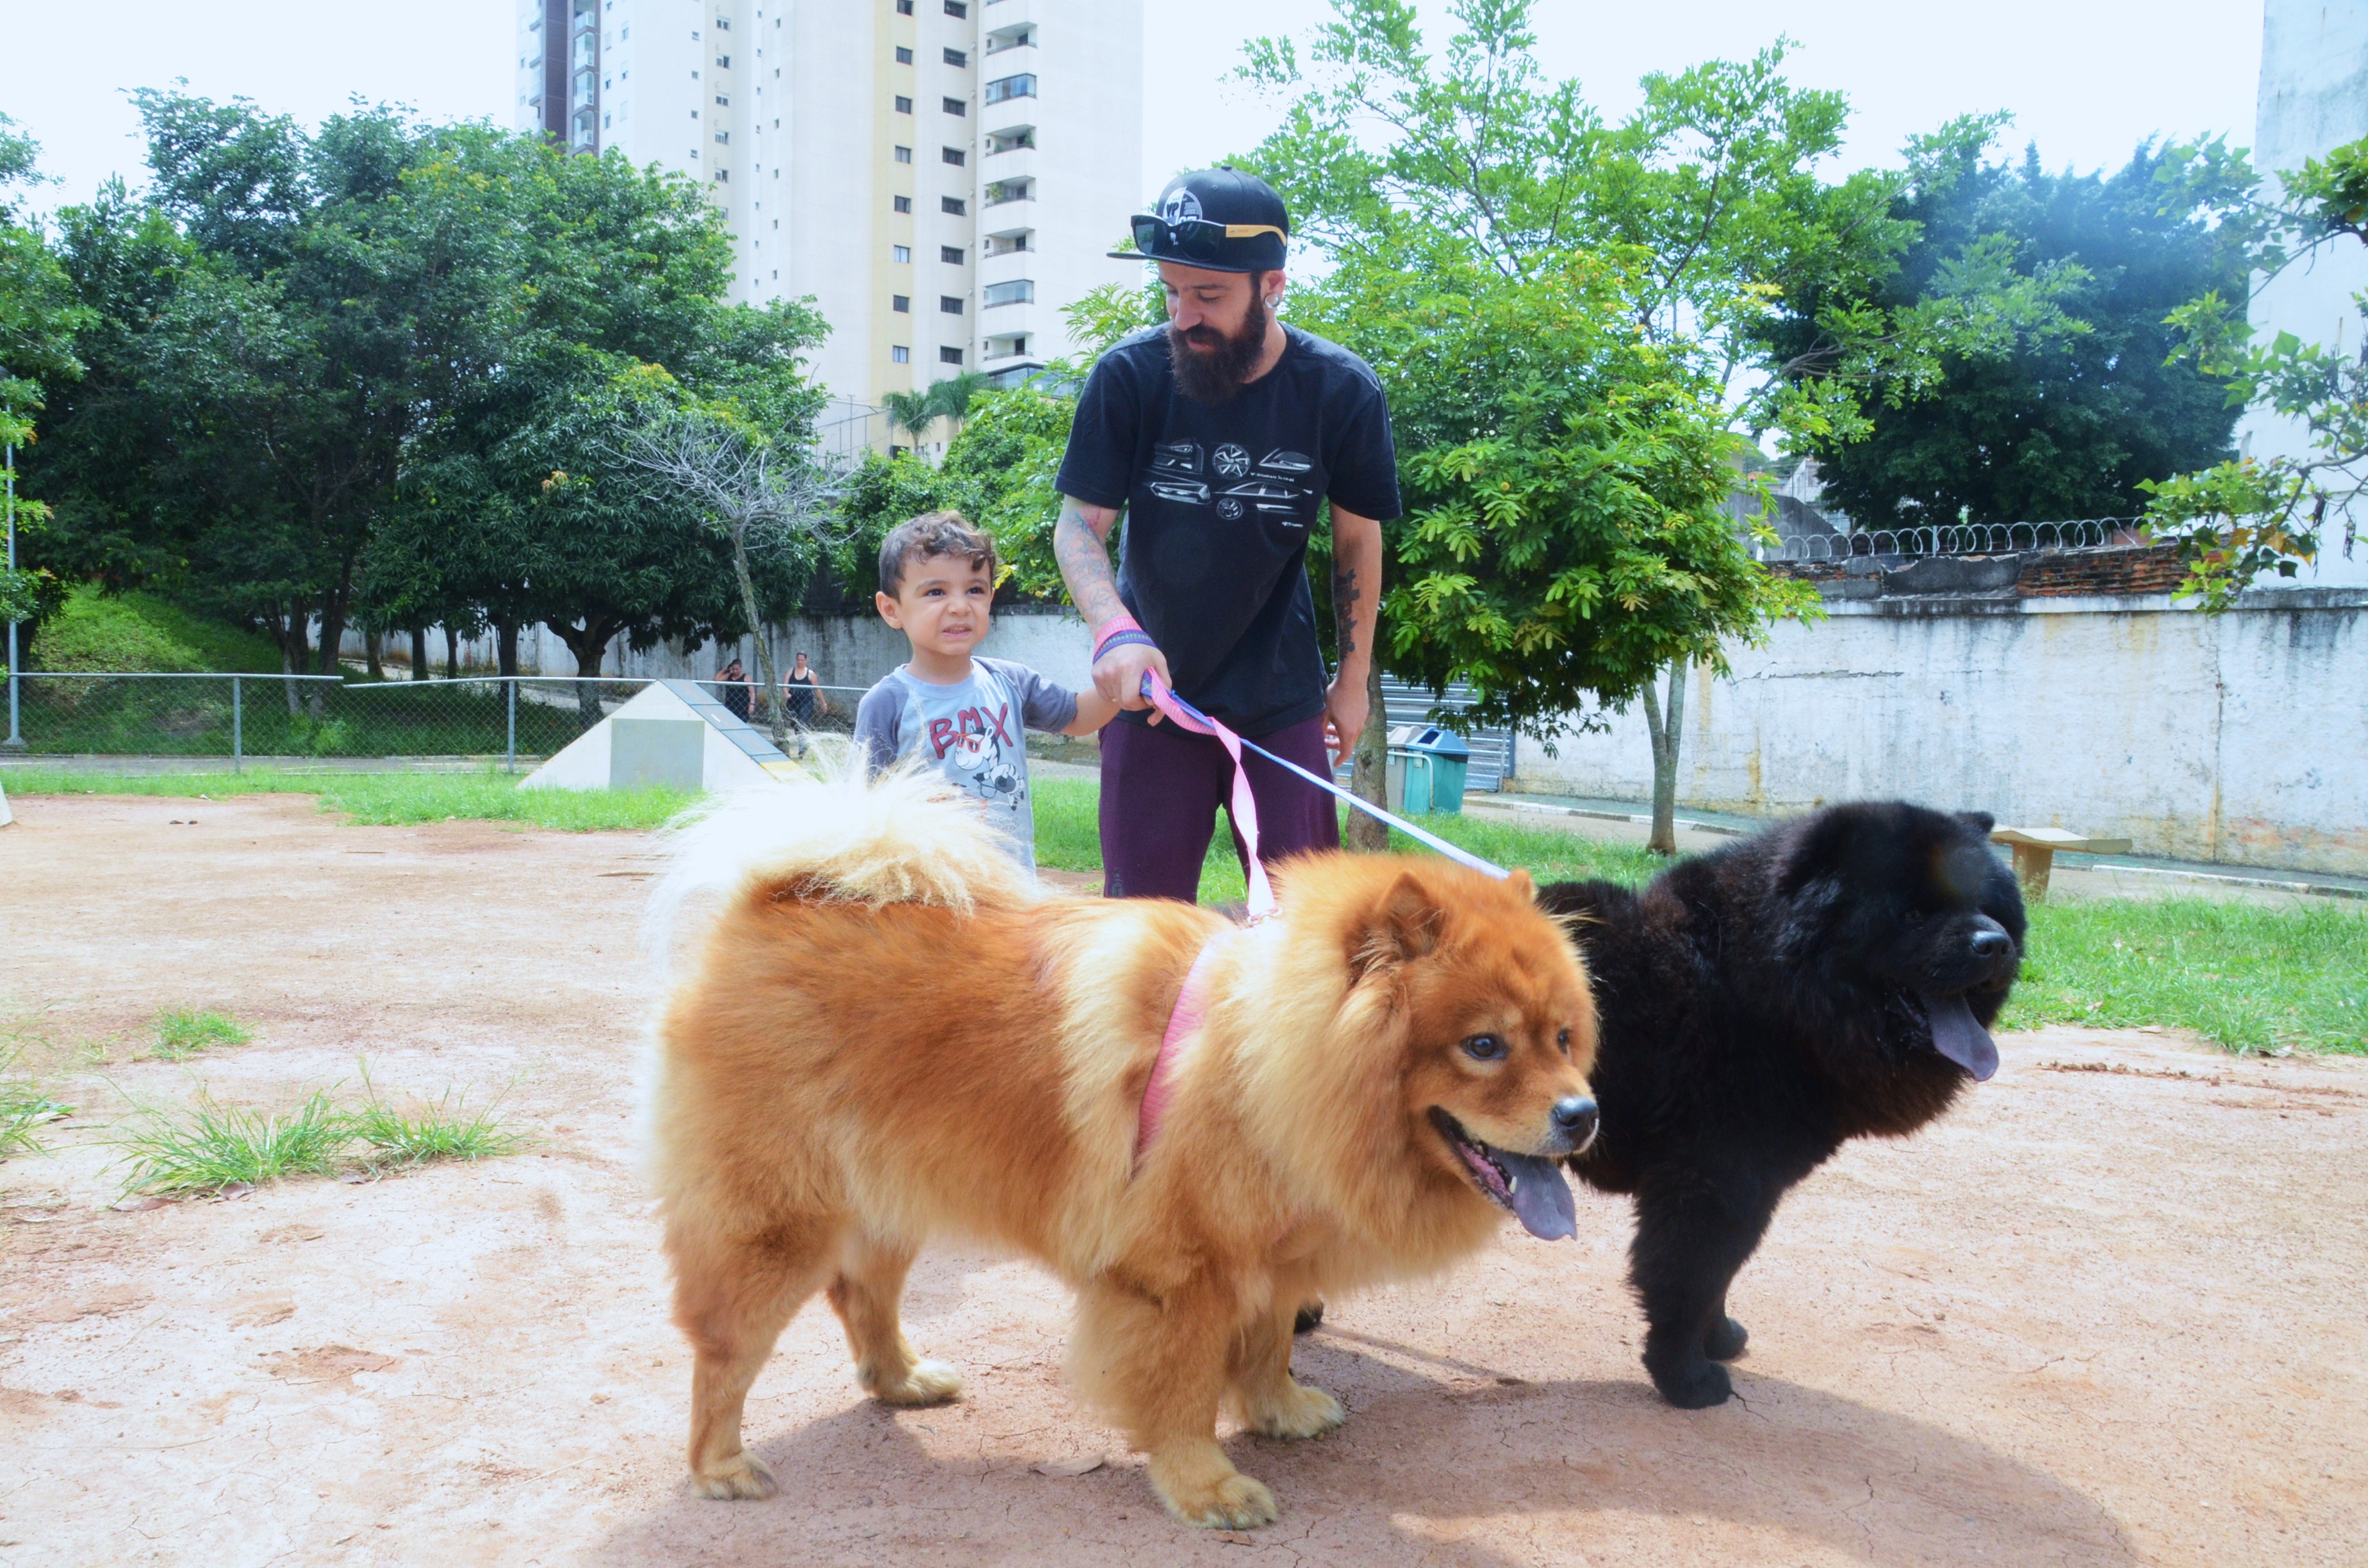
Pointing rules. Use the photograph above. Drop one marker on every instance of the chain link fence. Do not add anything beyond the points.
(508, 719)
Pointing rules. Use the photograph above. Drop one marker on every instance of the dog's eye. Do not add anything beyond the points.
(1484, 1048)
(1562, 1040)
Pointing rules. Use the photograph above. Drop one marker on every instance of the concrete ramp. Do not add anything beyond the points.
(672, 732)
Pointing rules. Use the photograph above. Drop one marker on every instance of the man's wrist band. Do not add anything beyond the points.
(1126, 637)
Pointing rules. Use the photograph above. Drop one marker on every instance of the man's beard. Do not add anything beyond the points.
(1211, 368)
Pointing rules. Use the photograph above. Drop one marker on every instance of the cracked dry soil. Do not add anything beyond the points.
(2093, 1317)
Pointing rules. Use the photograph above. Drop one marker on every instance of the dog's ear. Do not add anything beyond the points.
(1980, 822)
(1403, 926)
(1523, 885)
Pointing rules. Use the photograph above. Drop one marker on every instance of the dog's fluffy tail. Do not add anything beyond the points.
(906, 837)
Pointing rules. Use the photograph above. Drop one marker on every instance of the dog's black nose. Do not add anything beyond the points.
(1574, 1118)
(1992, 944)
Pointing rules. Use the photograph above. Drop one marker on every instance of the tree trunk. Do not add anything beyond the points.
(452, 653)
(419, 653)
(374, 652)
(506, 650)
(589, 643)
(1371, 761)
(333, 632)
(295, 655)
(770, 710)
(1665, 725)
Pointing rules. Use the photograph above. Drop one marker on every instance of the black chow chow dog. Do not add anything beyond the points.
(1826, 979)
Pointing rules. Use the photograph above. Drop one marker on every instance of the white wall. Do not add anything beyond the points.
(2242, 739)
(856, 650)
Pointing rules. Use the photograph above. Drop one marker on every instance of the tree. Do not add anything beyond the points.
(2240, 518)
(39, 318)
(1588, 298)
(2061, 412)
(769, 498)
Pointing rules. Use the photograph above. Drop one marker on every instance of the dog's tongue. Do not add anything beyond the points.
(1541, 1198)
(1959, 1036)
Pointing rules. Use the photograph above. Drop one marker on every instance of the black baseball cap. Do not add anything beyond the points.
(1218, 220)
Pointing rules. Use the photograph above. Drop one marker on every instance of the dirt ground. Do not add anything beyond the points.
(2108, 1312)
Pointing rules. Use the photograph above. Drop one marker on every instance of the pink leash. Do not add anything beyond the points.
(1261, 896)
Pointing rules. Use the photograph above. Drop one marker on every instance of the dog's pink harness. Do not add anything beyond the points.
(1191, 1008)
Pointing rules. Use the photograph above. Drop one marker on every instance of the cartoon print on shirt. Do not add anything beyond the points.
(986, 774)
(1231, 462)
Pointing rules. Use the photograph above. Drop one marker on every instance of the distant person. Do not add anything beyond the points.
(803, 690)
(732, 686)
(964, 714)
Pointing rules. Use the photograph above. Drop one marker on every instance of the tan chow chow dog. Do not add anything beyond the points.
(1378, 1074)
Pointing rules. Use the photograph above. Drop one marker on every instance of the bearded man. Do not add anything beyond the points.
(1219, 436)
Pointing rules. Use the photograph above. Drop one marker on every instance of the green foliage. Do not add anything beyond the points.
(2237, 520)
(139, 633)
(25, 1108)
(2243, 976)
(390, 800)
(2053, 401)
(182, 1032)
(441, 1129)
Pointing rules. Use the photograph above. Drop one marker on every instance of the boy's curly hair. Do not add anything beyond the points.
(933, 533)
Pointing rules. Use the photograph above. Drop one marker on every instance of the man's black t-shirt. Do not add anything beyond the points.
(1218, 504)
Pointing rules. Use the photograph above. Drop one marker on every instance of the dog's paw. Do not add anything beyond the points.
(930, 1383)
(1233, 1503)
(1301, 1412)
(743, 1475)
(1310, 1317)
(1725, 1340)
(1694, 1385)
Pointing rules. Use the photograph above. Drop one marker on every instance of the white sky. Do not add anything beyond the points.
(2088, 79)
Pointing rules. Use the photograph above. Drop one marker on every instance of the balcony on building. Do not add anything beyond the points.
(1004, 90)
(1008, 242)
(997, 192)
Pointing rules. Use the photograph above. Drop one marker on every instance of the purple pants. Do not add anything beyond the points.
(1161, 788)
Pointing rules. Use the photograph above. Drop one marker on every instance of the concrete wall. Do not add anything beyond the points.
(2242, 739)
(855, 651)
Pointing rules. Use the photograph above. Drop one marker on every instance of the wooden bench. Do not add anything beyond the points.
(2035, 847)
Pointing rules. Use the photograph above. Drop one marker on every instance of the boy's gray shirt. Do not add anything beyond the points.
(972, 730)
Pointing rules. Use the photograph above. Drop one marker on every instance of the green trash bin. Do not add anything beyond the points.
(1449, 762)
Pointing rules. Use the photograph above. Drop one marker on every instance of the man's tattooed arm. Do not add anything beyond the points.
(1079, 544)
(1344, 609)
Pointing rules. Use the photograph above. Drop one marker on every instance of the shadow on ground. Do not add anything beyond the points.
(1490, 1473)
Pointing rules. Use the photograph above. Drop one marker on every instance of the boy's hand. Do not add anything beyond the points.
(1117, 675)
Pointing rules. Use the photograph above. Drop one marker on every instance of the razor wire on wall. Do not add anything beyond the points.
(1955, 538)
(489, 717)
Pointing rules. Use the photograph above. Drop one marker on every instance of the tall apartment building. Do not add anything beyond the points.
(942, 175)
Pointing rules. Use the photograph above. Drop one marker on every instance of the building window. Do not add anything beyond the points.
(957, 9)
(950, 304)
(723, 62)
(904, 55)
(956, 57)
(950, 356)
(953, 106)
(723, 177)
(954, 205)
(950, 255)
(904, 7)
(900, 253)
(903, 203)
(723, 24)
(1020, 293)
(901, 303)
(723, 98)
(900, 355)
(953, 155)
(723, 136)
(1005, 87)
(904, 105)
(903, 155)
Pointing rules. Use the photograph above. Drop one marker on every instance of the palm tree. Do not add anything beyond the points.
(911, 412)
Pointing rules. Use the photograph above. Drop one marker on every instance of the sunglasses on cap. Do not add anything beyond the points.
(1192, 239)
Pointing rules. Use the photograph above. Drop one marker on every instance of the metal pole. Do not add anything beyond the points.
(237, 734)
(16, 740)
(509, 749)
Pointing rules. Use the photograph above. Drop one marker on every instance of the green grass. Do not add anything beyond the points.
(386, 800)
(2241, 975)
(136, 633)
(1068, 838)
(182, 1033)
(24, 1109)
(209, 1145)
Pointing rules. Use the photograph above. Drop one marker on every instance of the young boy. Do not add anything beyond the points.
(936, 584)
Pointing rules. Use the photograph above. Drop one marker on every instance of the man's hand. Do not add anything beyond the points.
(1117, 675)
(1345, 711)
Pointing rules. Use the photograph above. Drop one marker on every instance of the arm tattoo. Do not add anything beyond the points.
(1344, 607)
(1084, 558)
